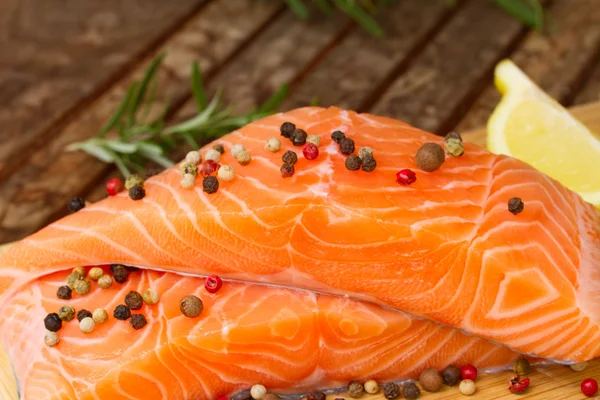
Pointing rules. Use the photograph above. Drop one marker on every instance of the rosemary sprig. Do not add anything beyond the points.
(130, 140)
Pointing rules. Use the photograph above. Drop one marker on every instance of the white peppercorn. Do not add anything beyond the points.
(226, 173)
(273, 145)
(193, 157)
(212, 154)
(188, 181)
(87, 325)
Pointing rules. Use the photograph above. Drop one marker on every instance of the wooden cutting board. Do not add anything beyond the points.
(548, 383)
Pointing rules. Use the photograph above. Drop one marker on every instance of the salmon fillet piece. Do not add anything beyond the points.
(445, 248)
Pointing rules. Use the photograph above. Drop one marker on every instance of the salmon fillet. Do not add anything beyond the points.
(444, 249)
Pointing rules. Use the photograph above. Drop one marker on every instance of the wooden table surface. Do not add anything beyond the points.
(66, 63)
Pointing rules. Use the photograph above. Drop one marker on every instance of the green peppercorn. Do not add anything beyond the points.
(410, 390)
(369, 163)
(347, 146)
(80, 271)
(134, 180)
(66, 313)
(191, 306)
(286, 129)
(150, 296)
(137, 321)
(134, 300)
(516, 205)
(299, 137)
(337, 136)
(122, 312)
(100, 316)
(453, 135)
(287, 170)
(430, 157)
(289, 157)
(105, 281)
(83, 313)
(95, 273)
(454, 147)
(137, 193)
(522, 366)
(391, 391)
(353, 162)
(188, 168)
(210, 184)
(219, 147)
(451, 375)
(64, 293)
(82, 286)
(72, 278)
(75, 204)
(120, 274)
(355, 389)
(431, 380)
(52, 322)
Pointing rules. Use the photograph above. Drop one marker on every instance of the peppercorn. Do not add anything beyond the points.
(515, 205)
(191, 306)
(315, 395)
(353, 162)
(337, 136)
(406, 176)
(369, 164)
(133, 180)
(219, 147)
(289, 157)
(213, 284)
(518, 385)
(193, 157)
(87, 325)
(95, 273)
(355, 389)
(120, 273)
(188, 168)
(310, 151)
(80, 271)
(467, 387)
(365, 152)
(430, 157)
(286, 129)
(72, 278)
(150, 297)
(122, 312)
(213, 155)
(52, 322)
(579, 366)
(287, 170)
(82, 286)
(100, 315)
(299, 137)
(431, 380)
(114, 186)
(257, 392)
(51, 339)
(410, 390)
(391, 391)
(451, 375)
(83, 313)
(210, 184)
(454, 147)
(347, 146)
(371, 386)
(522, 366)
(273, 145)
(75, 204)
(226, 173)
(137, 321)
(188, 181)
(237, 149)
(314, 139)
(134, 300)
(64, 293)
(453, 135)
(137, 193)
(66, 313)
(105, 281)
(244, 157)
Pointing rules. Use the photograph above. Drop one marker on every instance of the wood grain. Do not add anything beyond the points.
(355, 69)
(39, 191)
(559, 61)
(57, 55)
(591, 88)
(444, 79)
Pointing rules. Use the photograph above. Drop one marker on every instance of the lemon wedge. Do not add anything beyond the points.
(529, 125)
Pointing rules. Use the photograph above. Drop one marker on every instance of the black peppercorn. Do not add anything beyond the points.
(451, 375)
(137, 321)
(52, 322)
(219, 147)
(286, 129)
(75, 204)
(81, 314)
(355, 389)
(299, 137)
(315, 395)
(287, 170)
(515, 205)
(289, 157)
(137, 193)
(353, 162)
(411, 390)
(122, 312)
(64, 293)
(210, 184)
(134, 300)
(391, 391)
(369, 163)
(453, 135)
(337, 136)
(347, 146)
(120, 273)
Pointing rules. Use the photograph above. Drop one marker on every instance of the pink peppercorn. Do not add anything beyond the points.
(213, 283)
(406, 177)
(209, 167)
(589, 387)
(114, 186)
(310, 151)
(468, 372)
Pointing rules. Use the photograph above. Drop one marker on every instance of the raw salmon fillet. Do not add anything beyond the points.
(441, 256)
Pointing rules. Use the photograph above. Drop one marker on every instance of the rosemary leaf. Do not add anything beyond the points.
(121, 147)
(298, 7)
(360, 16)
(116, 117)
(198, 87)
(94, 148)
(140, 93)
(529, 12)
